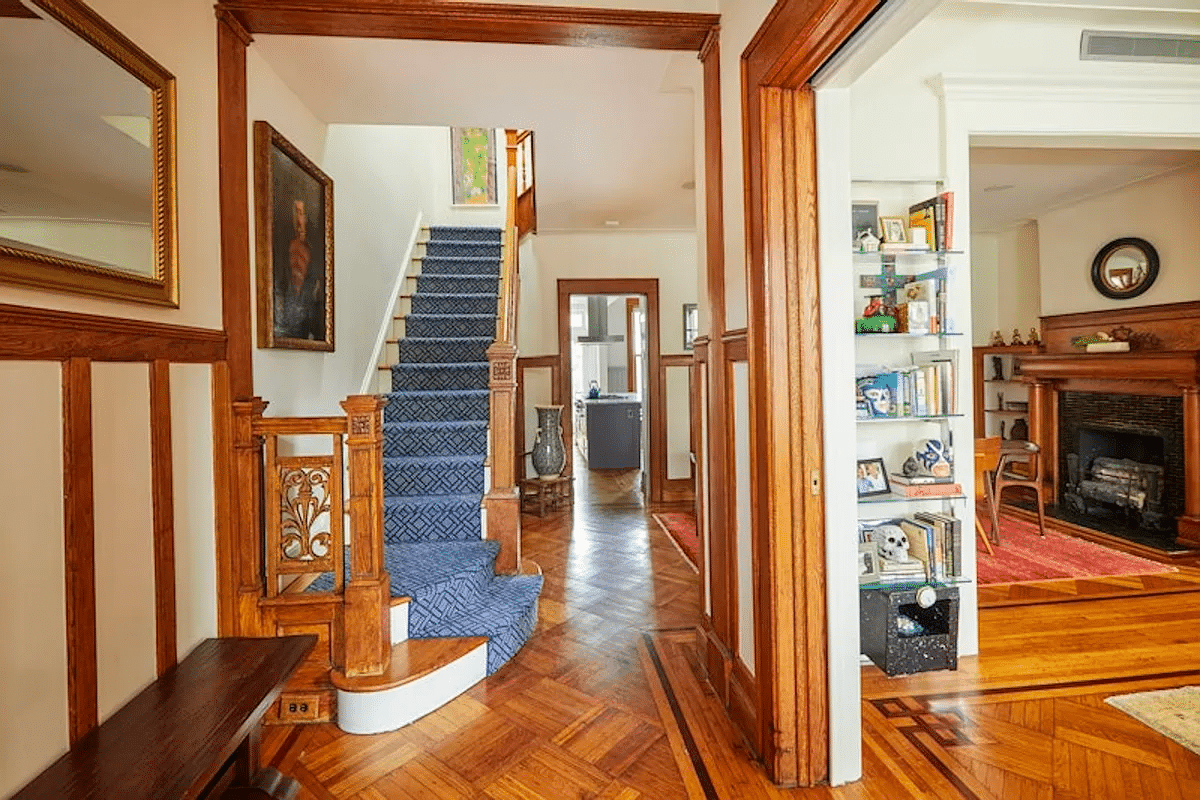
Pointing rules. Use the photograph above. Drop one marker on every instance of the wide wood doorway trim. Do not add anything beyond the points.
(237, 22)
(786, 415)
(655, 391)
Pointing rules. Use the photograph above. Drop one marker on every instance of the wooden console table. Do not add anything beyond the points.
(187, 735)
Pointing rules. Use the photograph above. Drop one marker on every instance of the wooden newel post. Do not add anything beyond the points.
(249, 534)
(503, 503)
(367, 623)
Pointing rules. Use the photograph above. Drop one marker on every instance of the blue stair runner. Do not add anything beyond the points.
(435, 443)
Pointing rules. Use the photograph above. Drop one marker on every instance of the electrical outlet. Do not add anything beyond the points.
(299, 708)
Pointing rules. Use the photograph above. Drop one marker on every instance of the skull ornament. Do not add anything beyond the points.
(892, 542)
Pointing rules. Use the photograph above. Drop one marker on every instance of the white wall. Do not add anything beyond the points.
(1005, 282)
(1163, 211)
(33, 625)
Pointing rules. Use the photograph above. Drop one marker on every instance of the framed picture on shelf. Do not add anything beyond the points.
(864, 216)
(872, 477)
(868, 562)
(893, 229)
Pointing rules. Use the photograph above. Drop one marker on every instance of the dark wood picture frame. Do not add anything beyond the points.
(871, 482)
(293, 223)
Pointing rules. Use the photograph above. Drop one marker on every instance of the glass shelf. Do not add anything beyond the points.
(902, 585)
(879, 253)
(932, 417)
(990, 380)
(1005, 411)
(904, 498)
(906, 335)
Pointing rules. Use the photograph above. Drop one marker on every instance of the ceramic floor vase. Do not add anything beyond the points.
(549, 454)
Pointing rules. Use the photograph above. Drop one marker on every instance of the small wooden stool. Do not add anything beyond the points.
(540, 495)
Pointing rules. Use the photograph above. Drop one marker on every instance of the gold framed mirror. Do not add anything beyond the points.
(87, 159)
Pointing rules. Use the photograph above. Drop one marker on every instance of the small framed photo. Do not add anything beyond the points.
(893, 229)
(872, 477)
(864, 216)
(868, 562)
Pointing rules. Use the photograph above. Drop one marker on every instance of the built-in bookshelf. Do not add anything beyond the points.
(909, 360)
(1001, 401)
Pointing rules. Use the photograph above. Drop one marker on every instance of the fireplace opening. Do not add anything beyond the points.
(1121, 464)
(1118, 472)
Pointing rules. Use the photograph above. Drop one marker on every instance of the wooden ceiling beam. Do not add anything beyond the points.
(476, 22)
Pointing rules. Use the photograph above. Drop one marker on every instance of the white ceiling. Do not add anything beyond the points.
(613, 127)
(1011, 185)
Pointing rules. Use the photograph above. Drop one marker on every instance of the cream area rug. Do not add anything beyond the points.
(1175, 713)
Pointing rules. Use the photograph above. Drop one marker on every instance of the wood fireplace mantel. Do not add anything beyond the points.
(1179, 368)
(1169, 372)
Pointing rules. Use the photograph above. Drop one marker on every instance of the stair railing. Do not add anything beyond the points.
(502, 504)
(526, 214)
(305, 501)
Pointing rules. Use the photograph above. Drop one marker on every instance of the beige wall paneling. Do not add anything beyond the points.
(195, 556)
(679, 436)
(125, 599)
(740, 391)
(33, 661)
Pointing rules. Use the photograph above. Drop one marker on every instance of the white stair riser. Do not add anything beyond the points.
(376, 712)
(400, 622)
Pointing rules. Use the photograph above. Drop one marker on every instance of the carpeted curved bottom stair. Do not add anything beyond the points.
(435, 445)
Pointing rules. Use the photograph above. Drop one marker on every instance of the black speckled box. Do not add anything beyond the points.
(881, 641)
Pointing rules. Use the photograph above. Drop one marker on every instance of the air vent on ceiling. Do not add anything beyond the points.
(1163, 48)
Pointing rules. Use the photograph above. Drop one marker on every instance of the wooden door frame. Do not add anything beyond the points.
(786, 415)
(655, 391)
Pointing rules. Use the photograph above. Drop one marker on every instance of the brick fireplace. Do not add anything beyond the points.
(1138, 412)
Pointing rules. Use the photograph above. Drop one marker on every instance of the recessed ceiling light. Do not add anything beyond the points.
(1000, 187)
(13, 168)
(612, 223)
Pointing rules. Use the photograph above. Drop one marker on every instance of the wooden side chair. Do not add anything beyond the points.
(1026, 457)
(987, 459)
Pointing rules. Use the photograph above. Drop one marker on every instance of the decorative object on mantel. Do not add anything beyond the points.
(1016, 338)
(997, 339)
(1125, 268)
(1035, 338)
(1100, 342)
(997, 368)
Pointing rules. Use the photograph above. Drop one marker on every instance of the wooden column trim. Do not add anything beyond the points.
(79, 540)
(227, 565)
(234, 196)
(163, 494)
(1188, 525)
(631, 305)
(247, 513)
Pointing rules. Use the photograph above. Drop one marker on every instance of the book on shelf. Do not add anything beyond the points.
(934, 546)
(949, 529)
(935, 216)
(918, 480)
(940, 370)
(927, 489)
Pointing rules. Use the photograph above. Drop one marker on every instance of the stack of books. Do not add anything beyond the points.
(936, 217)
(924, 486)
(934, 547)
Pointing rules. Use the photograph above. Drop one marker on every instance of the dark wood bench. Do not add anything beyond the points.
(190, 734)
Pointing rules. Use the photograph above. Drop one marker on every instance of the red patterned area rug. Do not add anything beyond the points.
(1025, 557)
(681, 527)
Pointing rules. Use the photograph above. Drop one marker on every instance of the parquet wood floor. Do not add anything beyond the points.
(606, 701)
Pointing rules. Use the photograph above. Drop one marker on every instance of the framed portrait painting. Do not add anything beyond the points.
(293, 222)
(473, 164)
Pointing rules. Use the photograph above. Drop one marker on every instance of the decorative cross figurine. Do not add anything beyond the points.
(887, 281)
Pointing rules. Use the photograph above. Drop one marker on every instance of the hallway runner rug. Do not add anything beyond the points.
(1024, 557)
(1175, 713)
(681, 527)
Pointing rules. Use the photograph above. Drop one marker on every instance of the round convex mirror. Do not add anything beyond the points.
(1125, 268)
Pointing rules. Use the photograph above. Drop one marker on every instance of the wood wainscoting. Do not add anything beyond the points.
(78, 341)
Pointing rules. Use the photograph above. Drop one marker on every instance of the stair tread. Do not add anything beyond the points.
(503, 602)
(411, 659)
(426, 365)
(468, 458)
(435, 393)
(416, 564)
(448, 316)
(448, 339)
(434, 424)
(431, 499)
